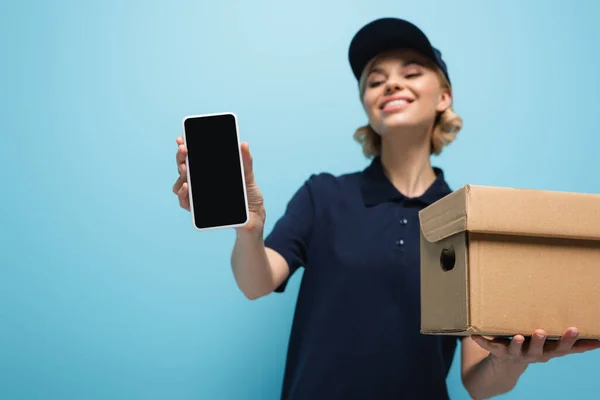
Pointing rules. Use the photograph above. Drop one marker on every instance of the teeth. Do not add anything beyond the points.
(396, 103)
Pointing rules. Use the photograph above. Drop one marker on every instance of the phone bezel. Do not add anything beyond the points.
(243, 175)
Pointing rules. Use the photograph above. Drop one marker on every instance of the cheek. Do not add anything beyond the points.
(370, 105)
(429, 94)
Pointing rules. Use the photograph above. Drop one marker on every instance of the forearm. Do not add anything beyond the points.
(250, 264)
(491, 377)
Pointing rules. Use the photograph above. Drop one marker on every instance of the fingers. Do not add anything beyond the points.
(515, 347)
(537, 349)
(178, 183)
(180, 188)
(183, 196)
(248, 162)
(536, 345)
(181, 154)
(182, 171)
(181, 167)
(496, 346)
(570, 343)
(567, 341)
(583, 345)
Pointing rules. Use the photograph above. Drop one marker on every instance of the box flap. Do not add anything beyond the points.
(511, 211)
(446, 216)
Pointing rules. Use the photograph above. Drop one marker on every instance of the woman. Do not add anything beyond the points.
(356, 327)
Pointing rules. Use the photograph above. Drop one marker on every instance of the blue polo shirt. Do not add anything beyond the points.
(356, 328)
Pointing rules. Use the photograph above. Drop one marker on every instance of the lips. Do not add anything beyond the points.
(395, 102)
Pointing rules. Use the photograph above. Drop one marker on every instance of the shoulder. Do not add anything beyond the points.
(327, 183)
(325, 191)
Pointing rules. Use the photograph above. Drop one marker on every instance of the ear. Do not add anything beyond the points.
(445, 101)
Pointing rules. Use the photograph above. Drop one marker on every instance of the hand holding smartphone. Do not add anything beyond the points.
(216, 182)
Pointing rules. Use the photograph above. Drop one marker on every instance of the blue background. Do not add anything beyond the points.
(106, 291)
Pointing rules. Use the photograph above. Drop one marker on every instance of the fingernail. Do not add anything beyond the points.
(539, 335)
(574, 334)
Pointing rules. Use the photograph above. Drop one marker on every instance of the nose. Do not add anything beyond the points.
(392, 86)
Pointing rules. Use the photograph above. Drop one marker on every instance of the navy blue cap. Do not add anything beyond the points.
(387, 34)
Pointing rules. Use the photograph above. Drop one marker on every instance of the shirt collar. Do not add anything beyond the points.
(376, 188)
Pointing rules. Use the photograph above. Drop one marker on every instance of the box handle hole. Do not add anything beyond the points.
(448, 259)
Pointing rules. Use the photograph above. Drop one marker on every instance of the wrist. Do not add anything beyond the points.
(252, 231)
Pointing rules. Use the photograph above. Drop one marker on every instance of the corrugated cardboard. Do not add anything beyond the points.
(501, 261)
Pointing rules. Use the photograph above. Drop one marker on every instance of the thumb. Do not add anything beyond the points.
(247, 162)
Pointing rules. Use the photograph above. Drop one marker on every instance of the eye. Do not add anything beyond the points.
(374, 84)
(413, 75)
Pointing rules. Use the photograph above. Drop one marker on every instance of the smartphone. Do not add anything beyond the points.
(215, 172)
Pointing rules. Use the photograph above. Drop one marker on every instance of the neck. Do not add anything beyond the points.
(407, 165)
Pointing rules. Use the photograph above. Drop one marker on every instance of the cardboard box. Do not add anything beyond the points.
(502, 261)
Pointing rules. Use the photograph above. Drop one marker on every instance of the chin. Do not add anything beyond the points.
(398, 122)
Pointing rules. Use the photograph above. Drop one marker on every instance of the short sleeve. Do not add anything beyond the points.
(291, 234)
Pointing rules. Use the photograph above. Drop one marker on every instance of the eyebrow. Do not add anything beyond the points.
(408, 63)
(412, 62)
(376, 70)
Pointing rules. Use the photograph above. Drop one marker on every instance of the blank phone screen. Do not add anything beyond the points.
(215, 171)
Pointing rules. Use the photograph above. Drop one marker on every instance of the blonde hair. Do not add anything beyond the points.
(446, 126)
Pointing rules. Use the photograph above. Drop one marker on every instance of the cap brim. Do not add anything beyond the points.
(383, 35)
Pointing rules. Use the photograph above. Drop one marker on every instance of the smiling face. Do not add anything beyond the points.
(401, 90)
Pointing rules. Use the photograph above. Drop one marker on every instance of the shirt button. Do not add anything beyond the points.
(400, 242)
(403, 221)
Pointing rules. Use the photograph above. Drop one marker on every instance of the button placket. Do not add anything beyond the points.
(402, 221)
